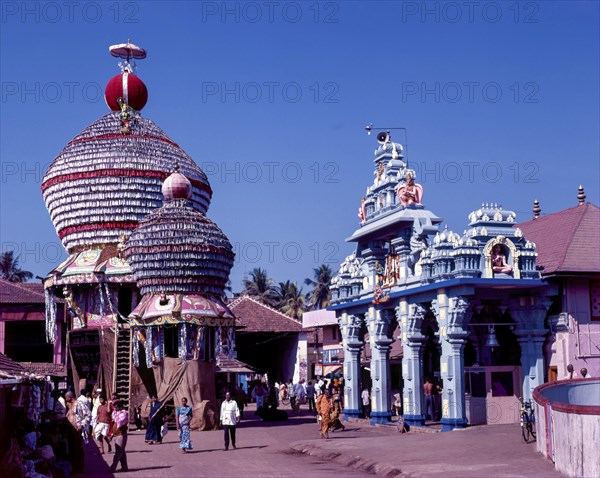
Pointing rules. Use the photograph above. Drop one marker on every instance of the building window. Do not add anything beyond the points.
(328, 356)
(502, 384)
(25, 341)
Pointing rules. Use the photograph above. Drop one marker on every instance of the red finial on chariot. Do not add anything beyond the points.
(126, 90)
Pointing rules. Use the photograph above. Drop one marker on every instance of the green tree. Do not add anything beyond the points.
(320, 295)
(260, 287)
(10, 269)
(290, 300)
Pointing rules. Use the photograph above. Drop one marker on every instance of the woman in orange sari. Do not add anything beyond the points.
(325, 408)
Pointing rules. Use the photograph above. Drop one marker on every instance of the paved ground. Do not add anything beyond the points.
(293, 449)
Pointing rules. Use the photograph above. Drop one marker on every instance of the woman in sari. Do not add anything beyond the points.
(336, 424)
(325, 408)
(155, 422)
(183, 418)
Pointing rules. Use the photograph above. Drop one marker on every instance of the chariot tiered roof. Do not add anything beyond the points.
(177, 248)
(104, 181)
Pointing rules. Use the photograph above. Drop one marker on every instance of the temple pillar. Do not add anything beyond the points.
(529, 313)
(350, 326)
(411, 320)
(379, 324)
(451, 317)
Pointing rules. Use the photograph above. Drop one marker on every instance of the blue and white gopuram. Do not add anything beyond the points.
(446, 291)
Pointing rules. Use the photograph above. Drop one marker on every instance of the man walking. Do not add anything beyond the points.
(300, 394)
(83, 415)
(230, 416)
(292, 393)
(366, 402)
(310, 396)
(120, 419)
(429, 407)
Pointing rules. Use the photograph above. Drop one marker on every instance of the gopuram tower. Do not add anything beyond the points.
(460, 305)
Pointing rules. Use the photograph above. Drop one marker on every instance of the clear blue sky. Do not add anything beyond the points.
(501, 103)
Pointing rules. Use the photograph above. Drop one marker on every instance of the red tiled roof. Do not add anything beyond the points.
(44, 368)
(9, 366)
(21, 293)
(568, 240)
(256, 317)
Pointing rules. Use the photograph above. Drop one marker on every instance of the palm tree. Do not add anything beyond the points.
(226, 289)
(291, 300)
(10, 270)
(320, 295)
(260, 287)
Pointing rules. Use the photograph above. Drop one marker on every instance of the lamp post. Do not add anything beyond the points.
(316, 350)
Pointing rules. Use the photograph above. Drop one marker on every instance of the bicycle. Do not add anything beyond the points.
(284, 398)
(527, 420)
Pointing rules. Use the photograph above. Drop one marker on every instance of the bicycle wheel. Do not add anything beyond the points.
(531, 428)
(525, 427)
(285, 400)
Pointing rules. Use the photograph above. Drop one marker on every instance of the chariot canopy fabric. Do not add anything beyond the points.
(176, 379)
(158, 309)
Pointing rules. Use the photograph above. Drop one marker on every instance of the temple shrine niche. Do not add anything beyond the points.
(105, 182)
(448, 296)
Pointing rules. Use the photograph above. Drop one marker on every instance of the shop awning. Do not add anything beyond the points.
(231, 365)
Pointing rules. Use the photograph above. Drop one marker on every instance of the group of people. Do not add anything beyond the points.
(324, 399)
(583, 373)
(157, 418)
(50, 448)
(157, 422)
(107, 421)
(304, 392)
(59, 440)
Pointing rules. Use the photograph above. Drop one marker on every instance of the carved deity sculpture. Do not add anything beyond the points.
(411, 192)
(499, 263)
(392, 269)
(380, 171)
(362, 211)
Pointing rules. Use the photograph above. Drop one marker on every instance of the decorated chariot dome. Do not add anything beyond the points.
(109, 176)
(176, 248)
(180, 261)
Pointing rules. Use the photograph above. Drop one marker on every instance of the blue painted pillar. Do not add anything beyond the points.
(530, 313)
(379, 324)
(350, 325)
(451, 317)
(411, 321)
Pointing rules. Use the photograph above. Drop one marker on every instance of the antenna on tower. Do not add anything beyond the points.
(380, 137)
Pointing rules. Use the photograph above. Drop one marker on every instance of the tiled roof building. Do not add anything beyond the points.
(253, 316)
(567, 241)
(568, 245)
(265, 338)
(8, 367)
(21, 293)
(22, 324)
